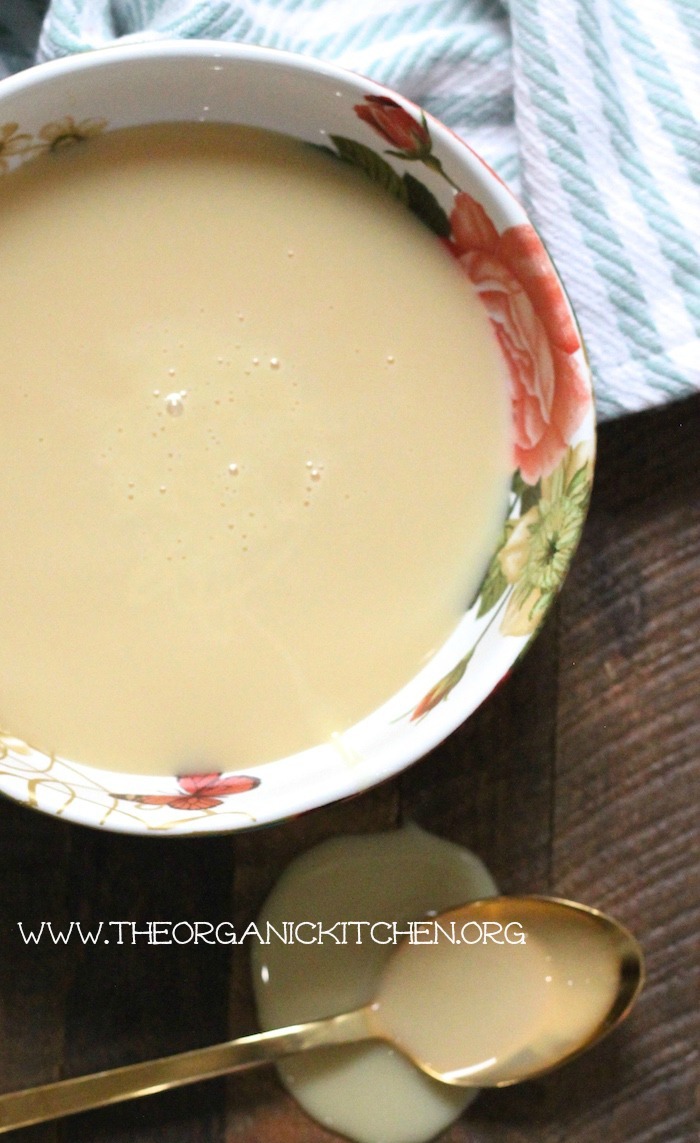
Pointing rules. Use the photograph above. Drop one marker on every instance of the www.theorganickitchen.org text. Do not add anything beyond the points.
(161, 932)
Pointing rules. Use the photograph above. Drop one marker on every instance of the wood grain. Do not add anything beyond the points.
(579, 776)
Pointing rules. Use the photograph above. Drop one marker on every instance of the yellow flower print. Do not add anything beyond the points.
(540, 545)
(12, 142)
(66, 131)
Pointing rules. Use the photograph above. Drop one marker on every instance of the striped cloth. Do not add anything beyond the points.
(590, 109)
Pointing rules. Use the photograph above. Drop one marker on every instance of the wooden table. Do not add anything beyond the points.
(578, 777)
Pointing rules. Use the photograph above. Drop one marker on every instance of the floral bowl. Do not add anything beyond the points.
(467, 207)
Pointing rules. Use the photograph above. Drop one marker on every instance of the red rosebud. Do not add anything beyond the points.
(472, 229)
(441, 690)
(395, 125)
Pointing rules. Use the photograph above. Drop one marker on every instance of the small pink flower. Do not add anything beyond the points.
(516, 281)
(395, 125)
(199, 791)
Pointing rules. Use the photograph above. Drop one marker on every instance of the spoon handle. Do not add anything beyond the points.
(65, 1097)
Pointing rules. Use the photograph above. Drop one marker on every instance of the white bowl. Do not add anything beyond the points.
(550, 393)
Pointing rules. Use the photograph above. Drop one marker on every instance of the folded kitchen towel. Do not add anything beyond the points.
(589, 109)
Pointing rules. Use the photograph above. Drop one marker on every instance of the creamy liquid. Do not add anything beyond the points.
(500, 1011)
(255, 448)
(367, 1091)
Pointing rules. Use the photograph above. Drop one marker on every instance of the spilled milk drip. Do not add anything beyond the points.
(367, 1091)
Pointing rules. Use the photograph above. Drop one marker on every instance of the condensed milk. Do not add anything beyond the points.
(464, 995)
(255, 444)
(367, 1091)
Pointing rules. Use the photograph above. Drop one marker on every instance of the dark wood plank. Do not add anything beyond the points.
(161, 998)
(628, 780)
(74, 1008)
(33, 852)
(625, 825)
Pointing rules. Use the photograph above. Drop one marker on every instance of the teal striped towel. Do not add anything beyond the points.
(590, 109)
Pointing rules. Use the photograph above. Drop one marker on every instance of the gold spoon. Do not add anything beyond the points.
(511, 988)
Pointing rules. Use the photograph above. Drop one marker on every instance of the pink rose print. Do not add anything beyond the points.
(515, 279)
(199, 791)
(395, 125)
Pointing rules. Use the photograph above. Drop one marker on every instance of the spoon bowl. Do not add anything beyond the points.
(508, 988)
(493, 993)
